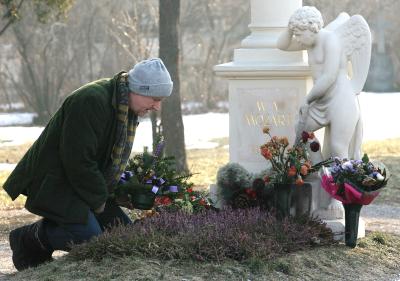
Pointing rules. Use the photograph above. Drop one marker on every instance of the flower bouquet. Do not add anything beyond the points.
(290, 165)
(355, 183)
(151, 180)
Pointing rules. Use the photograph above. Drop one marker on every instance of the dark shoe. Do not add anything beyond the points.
(29, 247)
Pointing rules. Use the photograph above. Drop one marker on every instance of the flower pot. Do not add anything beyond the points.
(282, 196)
(352, 215)
(143, 200)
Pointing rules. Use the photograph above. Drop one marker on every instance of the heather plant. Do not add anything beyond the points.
(239, 234)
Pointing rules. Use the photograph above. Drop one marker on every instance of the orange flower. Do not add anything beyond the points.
(292, 171)
(266, 153)
(304, 170)
(284, 141)
(266, 130)
(308, 164)
(299, 181)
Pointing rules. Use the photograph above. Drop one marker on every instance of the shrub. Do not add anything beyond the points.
(207, 236)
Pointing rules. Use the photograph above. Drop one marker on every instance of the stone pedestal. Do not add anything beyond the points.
(266, 85)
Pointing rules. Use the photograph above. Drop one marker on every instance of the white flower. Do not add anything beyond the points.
(139, 170)
(379, 177)
(347, 165)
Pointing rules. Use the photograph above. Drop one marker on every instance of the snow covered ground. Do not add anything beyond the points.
(381, 113)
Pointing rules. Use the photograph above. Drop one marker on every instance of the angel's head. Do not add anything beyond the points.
(306, 17)
(305, 23)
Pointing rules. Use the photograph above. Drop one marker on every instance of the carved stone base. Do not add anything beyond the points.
(337, 227)
(334, 211)
(215, 197)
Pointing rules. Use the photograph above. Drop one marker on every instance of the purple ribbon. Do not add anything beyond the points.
(125, 177)
(155, 189)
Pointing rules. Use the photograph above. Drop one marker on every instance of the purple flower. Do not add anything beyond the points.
(358, 162)
(158, 149)
(348, 166)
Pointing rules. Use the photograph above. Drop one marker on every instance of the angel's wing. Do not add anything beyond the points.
(341, 18)
(355, 37)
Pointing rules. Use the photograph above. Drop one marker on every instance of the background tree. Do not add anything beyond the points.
(171, 114)
(209, 34)
(371, 10)
(11, 10)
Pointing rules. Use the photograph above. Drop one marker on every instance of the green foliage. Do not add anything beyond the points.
(380, 238)
(45, 8)
(232, 178)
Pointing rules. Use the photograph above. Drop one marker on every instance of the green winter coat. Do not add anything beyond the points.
(62, 174)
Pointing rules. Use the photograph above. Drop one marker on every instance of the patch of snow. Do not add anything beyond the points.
(19, 135)
(14, 105)
(380, 114)
(200, 130)
(7, 119)
(7, 166)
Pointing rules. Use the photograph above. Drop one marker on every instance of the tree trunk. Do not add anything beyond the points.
(171, 115)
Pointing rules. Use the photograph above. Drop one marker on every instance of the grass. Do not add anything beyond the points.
(376, 259)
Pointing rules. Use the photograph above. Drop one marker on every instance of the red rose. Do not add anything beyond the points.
(266, 179)
(304, 136)
(202, 202)
(166, 200)
(189, 190)
(314, 146)
(252, 193)
(163, 200)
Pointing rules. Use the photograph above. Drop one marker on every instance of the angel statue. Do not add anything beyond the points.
(339, 57)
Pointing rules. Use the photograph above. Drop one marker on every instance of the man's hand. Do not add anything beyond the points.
(100, 209)
(124, 201)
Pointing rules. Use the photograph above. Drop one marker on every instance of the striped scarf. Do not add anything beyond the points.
(125, 134)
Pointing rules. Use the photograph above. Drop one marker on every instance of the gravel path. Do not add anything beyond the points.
(383, 218)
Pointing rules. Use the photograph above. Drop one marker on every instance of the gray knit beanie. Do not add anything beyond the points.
(150, 78)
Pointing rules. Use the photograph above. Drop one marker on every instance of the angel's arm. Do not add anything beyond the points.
(286, 43)
(330, 70)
